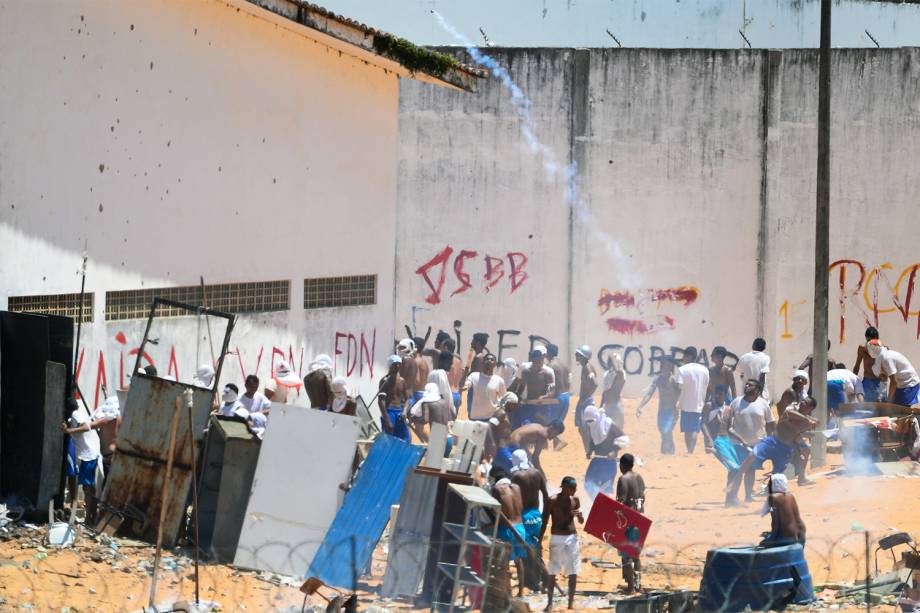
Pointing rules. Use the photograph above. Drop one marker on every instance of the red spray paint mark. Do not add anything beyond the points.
(462, 275)
(435, 287)
(495, 271)
(173, 368)
(518, 261)
(120, 337)
(368, 355)
(685, 295)
(101, 379)
(638, 326)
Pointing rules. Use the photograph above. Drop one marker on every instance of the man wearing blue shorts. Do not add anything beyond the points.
(694, 383)
(509, 495)
(903, 382)
(86, 443)
(872, 385)
(392, 401)
(668, 392)
(747, 423)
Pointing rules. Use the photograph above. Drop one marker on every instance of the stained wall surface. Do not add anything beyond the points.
(681, 208)
(172, 141)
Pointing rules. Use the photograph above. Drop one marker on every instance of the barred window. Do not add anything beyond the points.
(255, 297)
(55, 304)
(339, 291)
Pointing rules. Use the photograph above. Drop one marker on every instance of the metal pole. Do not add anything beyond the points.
(76, 349)
(868, 577)
(822, 236)
(191, 440)
(163, 500)
(204, 304)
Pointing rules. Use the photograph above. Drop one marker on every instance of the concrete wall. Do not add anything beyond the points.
(694, 223)
(172, 140)
(644, 23)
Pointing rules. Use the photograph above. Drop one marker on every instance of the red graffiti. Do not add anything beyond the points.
(495, 272)
(517, 261)
(638, 326)
(462, 276)
(684, 295)
(867, 284)
(434, 272)
(356, 353)
(439, 259)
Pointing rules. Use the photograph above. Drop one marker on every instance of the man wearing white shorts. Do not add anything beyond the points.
(564, 508)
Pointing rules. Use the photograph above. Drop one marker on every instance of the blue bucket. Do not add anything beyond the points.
(761, 578)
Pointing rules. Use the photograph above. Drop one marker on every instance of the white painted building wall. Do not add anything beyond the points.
(698, 166)
(174, 140)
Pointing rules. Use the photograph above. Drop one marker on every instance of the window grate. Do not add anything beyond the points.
(255, 297)
(67, 305)
(328, 292)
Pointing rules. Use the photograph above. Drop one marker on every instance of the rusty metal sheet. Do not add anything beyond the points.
(136, 480)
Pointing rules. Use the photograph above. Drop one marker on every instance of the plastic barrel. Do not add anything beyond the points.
(761, 578)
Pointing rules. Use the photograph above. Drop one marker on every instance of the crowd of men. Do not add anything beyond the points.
(526, 407)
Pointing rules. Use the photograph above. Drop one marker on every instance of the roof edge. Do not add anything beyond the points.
(375, 46)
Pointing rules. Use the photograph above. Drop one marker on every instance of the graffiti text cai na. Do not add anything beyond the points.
(684, 295)
(468, 270)
(869, 292)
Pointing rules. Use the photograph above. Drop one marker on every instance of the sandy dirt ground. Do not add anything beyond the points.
(685, 496)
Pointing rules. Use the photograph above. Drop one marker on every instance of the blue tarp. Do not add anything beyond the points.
(349, 543)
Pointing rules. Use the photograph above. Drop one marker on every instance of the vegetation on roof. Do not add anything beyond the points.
(413, 57)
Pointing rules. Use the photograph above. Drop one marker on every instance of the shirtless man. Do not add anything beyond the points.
(107, 421)
(498, 442)
(786, 525)
(535, 439)
(720, 374)
(564, 508)
(451, 362)
(509, 495)
(318, 385)
(668, 386)
(535, 382)
(561, 376)
(872, 385)
(631, 492)
(477, 352)
(585, 392)
(794, 394)
(533, 485)
(431, 408)
(392, 399)
(414, 368)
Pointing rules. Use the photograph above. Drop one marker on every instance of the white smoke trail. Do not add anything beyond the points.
(623, 269)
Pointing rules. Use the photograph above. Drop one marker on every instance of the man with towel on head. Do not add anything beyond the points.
(393, 393)
(499, 448)
(230, 398)
(607, 439)
(432, 408)
(786, 525)
(284, 384)
(342, 402)
(204, 376)
(107, 422)
(318, 382)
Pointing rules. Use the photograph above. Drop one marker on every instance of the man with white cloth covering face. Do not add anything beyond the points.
(284, 384)
(786, 525)
(342, 402)
(433, 407)
(607, 438)
(903, 382)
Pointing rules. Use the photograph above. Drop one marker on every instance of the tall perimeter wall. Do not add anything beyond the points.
(692, 219)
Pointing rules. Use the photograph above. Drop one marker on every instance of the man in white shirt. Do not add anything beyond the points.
(749, 420)
(486, 388)
(903, 382)
(694, 383)
(231, 401)
(253, 400)
(80, 426)
(844, 386)
(755, 364)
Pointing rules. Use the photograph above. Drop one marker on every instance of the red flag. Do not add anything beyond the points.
(618, 525)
